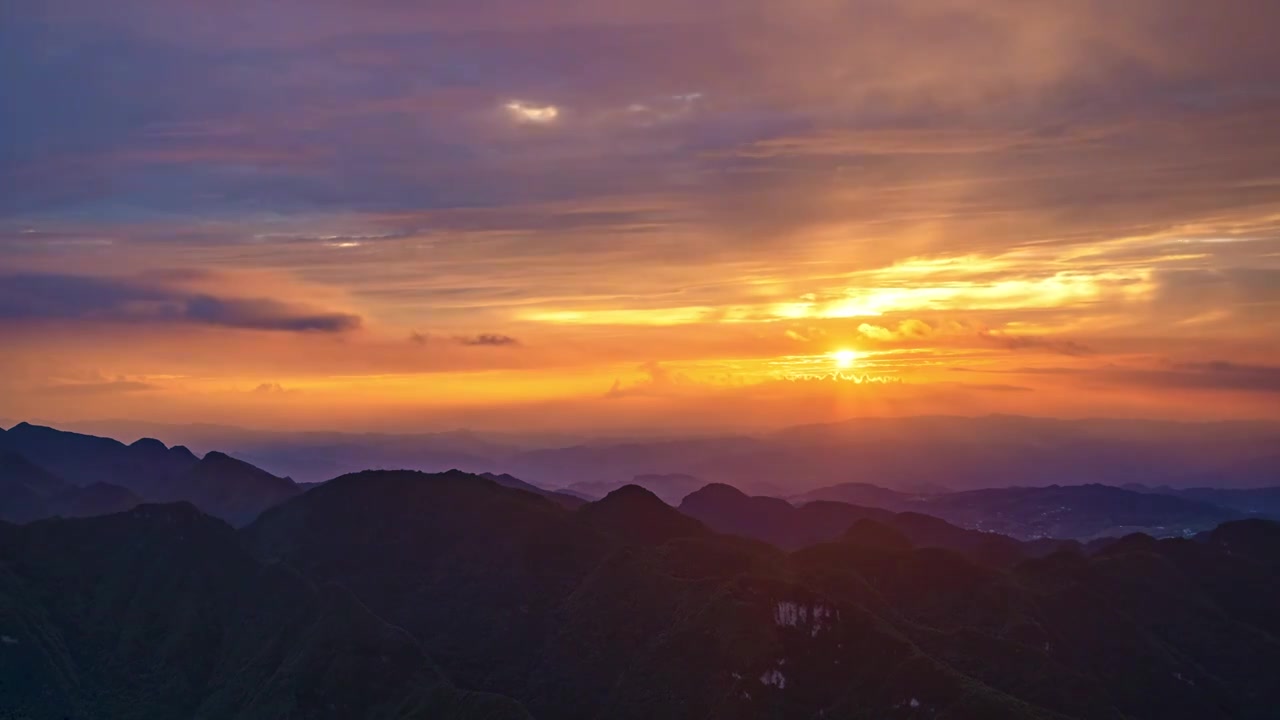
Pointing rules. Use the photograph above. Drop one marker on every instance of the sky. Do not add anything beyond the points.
(646, 215)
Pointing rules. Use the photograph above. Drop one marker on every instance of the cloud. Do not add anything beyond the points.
(34, 297)
(486, 340)
(480, 340)
(1215, 375)
(270, 388)
(805, 334)
(524, 112)
(657, 380)
(1025, 342)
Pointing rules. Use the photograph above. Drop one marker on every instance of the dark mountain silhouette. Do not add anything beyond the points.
(159, 613)
(635, 515)
(28, 492)
(100, 475)
(473, 569)
(728, 510)
(86, 459)
(871, 534)
(231, 489)
(578, 615)
(330, 603)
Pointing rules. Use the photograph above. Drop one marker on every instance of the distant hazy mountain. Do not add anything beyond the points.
(77, 474)
(1251, 472)
(158, 613)
(858, 493)
(917, 454)
(565, 498)
(237, 491)
(780, 523)
(1263, 502)
(1081, 512)
(319, 456)
(670, 488)
(914, 455)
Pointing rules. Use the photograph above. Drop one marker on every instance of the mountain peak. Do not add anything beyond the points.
(638, 516)
(182, 453)
(233, 489)
(633, 493)
(715, 492)
(149, 444)
(226, 467)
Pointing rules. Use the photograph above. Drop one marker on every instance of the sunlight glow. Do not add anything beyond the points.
(529, 113)
(845, 358)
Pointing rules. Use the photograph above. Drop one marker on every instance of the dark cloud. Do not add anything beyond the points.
(34, 296)
(486, 339)
(1221, 375)
(481, 340)
(1250, 294)
(1026, 342)
(262, 314)
(1215, 375)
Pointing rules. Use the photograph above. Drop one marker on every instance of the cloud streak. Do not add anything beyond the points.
(37, 297)
(486, 340)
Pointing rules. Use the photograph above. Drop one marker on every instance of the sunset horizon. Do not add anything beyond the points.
(639, 359)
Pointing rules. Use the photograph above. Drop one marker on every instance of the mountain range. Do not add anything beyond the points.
(907, 454)
(778, 522)
(411, 595)
(159, 612)
(46, 472)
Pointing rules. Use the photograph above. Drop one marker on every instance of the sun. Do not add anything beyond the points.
(845, 358)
